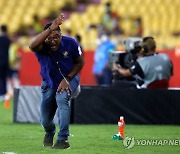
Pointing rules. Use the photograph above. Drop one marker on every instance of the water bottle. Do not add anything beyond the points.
(121, 126)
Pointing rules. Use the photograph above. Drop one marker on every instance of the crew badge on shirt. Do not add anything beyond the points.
(66, 54)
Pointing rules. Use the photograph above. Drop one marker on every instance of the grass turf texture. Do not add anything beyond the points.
(91, 139)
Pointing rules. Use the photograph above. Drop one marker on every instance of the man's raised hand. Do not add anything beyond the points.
(57, 22)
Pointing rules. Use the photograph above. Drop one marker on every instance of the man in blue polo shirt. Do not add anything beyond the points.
(60, 60)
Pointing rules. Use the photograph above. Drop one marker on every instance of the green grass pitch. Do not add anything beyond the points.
(87, 139)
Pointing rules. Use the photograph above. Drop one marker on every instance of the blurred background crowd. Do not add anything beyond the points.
(89, 18)
(91, 22)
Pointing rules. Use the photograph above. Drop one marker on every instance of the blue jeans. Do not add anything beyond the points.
(52, 101)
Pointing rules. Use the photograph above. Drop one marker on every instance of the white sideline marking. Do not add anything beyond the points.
(8, 152)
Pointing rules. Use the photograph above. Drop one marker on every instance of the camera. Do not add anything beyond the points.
(133, 47)
(125, 59)
(132, 44)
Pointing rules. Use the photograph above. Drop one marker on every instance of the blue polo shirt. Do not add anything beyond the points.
(68, 51)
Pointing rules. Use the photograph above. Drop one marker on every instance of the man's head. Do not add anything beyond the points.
(3, 29)
(54, 38)
(148, 45)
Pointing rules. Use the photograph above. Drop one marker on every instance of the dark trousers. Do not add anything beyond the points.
(105, 78)
(3, 79)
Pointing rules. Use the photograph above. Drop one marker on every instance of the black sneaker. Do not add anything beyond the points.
(48, 140)
(61, 144)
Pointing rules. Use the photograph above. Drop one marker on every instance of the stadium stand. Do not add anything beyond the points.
(160, 18)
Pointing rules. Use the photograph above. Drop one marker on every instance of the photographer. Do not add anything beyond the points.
(152, 66)
(126, 60)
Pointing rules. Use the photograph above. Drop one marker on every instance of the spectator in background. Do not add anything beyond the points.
(100, 68)
(137, 28)
(38, 27)
(68, 32)
(4, 59)
(152, 66)
(110, 22)
(14, 64)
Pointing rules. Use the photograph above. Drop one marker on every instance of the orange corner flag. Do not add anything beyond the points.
(7, 104)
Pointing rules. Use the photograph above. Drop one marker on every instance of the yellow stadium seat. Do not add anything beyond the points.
(27, 20)
(160, 19)
(43, 12)
(85, 20)
(74, 17)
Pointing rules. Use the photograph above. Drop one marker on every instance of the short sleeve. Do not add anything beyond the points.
(77, 51)
(137, 70)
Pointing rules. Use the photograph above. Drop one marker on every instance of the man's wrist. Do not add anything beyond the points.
(49, 28)
(68, 78)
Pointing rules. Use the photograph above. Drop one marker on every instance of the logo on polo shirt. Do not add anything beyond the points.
(66, 54)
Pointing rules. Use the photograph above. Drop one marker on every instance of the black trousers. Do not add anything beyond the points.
(3, 79)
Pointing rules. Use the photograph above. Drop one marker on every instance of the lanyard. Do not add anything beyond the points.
(58, 67)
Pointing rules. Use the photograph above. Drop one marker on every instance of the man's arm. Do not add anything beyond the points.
(122, 71)
(135, 69)
(78, 65)
(64, 84)
(125, 72)
(37, 42)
